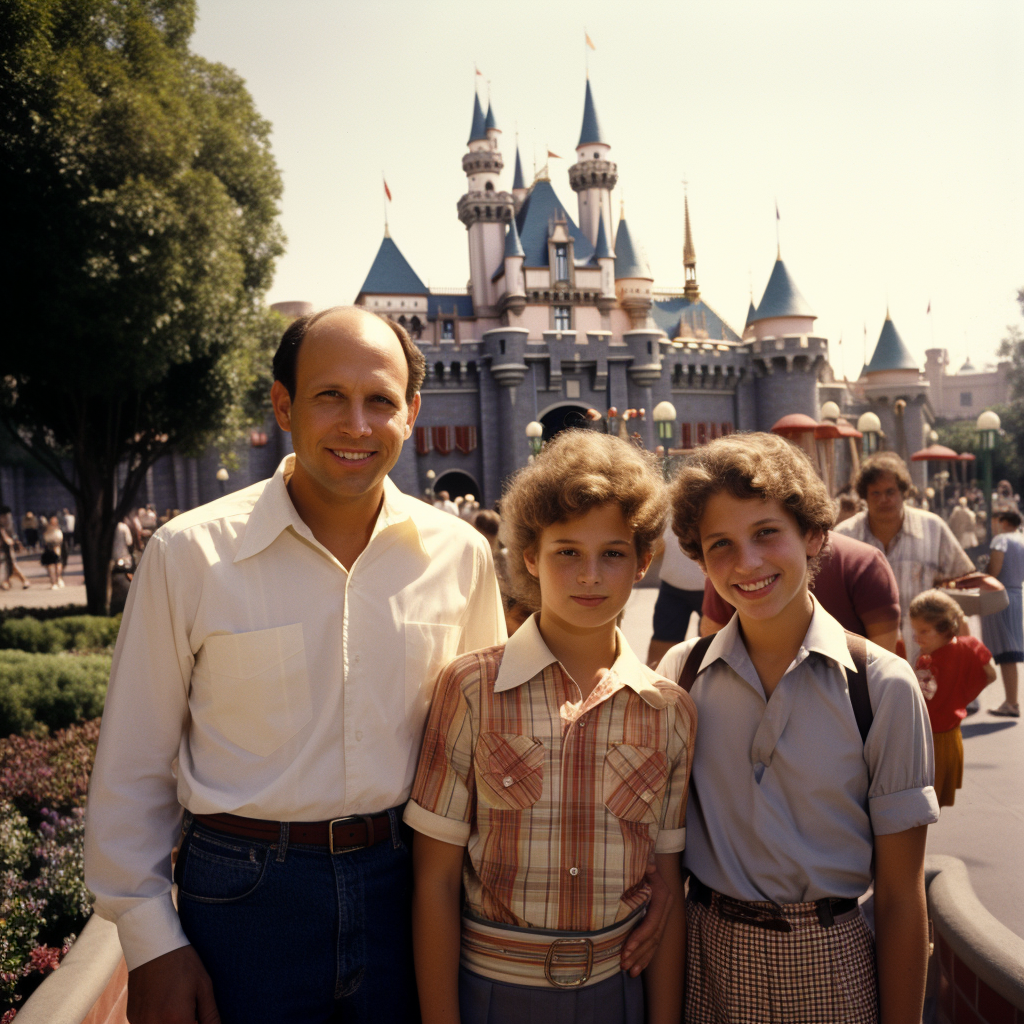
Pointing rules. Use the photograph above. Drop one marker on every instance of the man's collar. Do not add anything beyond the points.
(526, 655)
(274, 513)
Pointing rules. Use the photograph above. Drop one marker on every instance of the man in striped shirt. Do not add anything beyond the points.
(919, 545)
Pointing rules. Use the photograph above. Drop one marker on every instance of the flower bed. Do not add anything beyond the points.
(43, 899)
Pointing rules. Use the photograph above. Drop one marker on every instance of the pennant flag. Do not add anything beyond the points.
(929, 309)
(777, 217)
(478, 71)
(387, 191)
(590, 42)
(554, 155)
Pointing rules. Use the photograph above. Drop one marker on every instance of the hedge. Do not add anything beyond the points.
(69, 633)
(56, 690)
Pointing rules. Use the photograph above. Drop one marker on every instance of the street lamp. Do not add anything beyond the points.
(830, 411)
(222, 478)
(665, 416)
(933, 436)
(430, 475)
(988, 429)
(535, 436)
(871, 427)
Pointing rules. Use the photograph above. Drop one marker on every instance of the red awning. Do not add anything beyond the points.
(794, 423)
(935, 453)
(966, 456)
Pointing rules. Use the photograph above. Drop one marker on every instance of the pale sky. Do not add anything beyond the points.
(890, 133)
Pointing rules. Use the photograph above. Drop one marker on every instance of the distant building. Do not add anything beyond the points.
(963, 394)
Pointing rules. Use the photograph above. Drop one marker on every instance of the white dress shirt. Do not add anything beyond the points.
(254, 675)
(785, 797)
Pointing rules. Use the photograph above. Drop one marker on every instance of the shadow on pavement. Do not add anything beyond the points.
(984, 728)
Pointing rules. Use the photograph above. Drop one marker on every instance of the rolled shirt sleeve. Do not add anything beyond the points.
(898, 750)
(444, 793)
(672, 830)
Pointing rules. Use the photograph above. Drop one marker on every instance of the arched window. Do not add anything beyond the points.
(439, 371)
(457, 372)
(402, 321)
(488, 187)
(416, 327)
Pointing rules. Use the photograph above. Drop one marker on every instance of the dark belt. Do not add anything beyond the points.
(759, 916)
(355, 832)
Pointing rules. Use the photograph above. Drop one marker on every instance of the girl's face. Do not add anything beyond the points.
(927, 637)
(586, 568)
(755, 555)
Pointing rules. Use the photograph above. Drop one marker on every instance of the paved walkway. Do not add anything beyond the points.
(39, 594)
(985, 828)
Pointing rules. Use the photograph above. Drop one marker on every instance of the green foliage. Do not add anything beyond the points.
(74, 633)
(54, 690)
(1007, 456)
(140, 236)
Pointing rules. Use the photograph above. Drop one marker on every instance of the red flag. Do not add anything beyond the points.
(590, 42)
(555, 155)
(478, 71)
(929, 309)
(387, 191)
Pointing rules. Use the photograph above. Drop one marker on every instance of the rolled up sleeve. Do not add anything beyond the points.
(672, 833)
(898, 749)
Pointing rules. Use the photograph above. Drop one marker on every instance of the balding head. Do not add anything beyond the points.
(342, 318)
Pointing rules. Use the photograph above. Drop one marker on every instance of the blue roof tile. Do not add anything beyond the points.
(890, 352)
(513, 246)
(591, 130)
(517, 181)
(629, 258)
(489, 121)
(449, 305)
(781, 297)
(751, 314)
(391, 273)
(534, 222)
(479, 128)
(679, 317)
(602, 250)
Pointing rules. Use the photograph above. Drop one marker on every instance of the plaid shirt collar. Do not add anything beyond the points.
(526, 656)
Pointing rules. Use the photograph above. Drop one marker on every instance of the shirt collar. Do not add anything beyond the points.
(274, 513)
(527, 655)
(824, 636)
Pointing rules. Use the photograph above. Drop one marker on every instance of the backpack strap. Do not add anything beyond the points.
(858, 683)
(692, 664)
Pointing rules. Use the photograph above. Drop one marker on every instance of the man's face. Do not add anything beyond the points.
(349, 417)
(885, 502)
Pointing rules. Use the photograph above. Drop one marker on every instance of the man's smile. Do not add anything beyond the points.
(757, 586)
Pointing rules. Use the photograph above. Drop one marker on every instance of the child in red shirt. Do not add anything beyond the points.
(952, 671)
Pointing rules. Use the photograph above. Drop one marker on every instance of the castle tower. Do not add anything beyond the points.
(782, 309)
(593, 176)
(633, 277)
(514, 295)
(484, 209)
(605, 259)
(690, 289)
(519, 189)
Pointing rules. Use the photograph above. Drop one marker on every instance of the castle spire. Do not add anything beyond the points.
(479, 129)
(517, 180)
(690, 289)
(591, 130)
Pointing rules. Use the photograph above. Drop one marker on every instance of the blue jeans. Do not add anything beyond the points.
(296, 935)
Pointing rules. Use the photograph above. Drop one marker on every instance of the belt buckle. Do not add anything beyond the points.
(549, 961)
(364, 818)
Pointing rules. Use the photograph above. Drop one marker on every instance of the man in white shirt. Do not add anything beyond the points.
(272, 678)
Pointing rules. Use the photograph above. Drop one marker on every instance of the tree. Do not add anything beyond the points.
(140, 237)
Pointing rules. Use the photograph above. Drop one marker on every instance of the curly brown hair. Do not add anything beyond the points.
(878, 465)
(939, 610)
(577, 471)
(749, 466)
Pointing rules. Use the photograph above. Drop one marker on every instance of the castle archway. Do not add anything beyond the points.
(556, 418)
(458, 484)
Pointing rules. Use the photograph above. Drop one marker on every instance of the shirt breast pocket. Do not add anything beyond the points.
(509, 771)
(634, 783)
(429, 646)
(259, 687)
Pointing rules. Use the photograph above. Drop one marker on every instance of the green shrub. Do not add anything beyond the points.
(53, 689)
(68, 633)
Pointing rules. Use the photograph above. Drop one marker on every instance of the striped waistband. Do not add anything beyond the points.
(527, 956)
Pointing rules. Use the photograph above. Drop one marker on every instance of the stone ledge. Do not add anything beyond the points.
(89, 987)
(981, 962)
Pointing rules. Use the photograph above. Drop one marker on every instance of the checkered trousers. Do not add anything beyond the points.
(740, 974)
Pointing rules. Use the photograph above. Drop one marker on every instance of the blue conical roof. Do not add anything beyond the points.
(534, 219)
(513, 245)
(517, 180)
(591, 130)
(489, 121)
(391, 273)
(479, 129)
(629, 259)
(781, 297)
(602, 249)
(890, 353)
(751, 315)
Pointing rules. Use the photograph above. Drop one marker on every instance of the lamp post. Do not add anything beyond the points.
(430, 475)
(988, 429)
(535, 436)
(830, 411)
(665, 417)
(222, 479)
(871, 427)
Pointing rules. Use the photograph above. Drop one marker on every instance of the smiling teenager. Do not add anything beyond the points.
(553, 768)
(267, 699)
(798, 801)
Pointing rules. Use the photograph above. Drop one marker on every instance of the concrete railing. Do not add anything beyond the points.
(979, 961)
(89, 987)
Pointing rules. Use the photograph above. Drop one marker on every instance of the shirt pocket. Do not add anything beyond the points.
(429, 646)
(509, 771)
(634, 782)
(259, 687)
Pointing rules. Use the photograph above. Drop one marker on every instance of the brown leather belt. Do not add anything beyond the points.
(355, 832)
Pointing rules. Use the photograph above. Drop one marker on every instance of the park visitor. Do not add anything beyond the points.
(1003, 632)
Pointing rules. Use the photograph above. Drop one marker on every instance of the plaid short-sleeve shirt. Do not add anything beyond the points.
(560, 803)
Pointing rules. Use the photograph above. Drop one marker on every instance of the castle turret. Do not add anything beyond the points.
(633, 277)
(593, 176)
(514, 297)
(782, 309)
(690, 289)
(483, 209)
(605, 259)
(519, 189)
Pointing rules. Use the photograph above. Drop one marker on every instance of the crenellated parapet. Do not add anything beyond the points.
(486, 208)
(792, 354)
(504, 349)
(593, 174)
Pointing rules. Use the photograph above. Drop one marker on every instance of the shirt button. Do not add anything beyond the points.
(507, 781)
(582, 723)
(574, 872)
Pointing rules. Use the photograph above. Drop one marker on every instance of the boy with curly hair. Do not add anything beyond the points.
(813, 775)
(553, 768)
